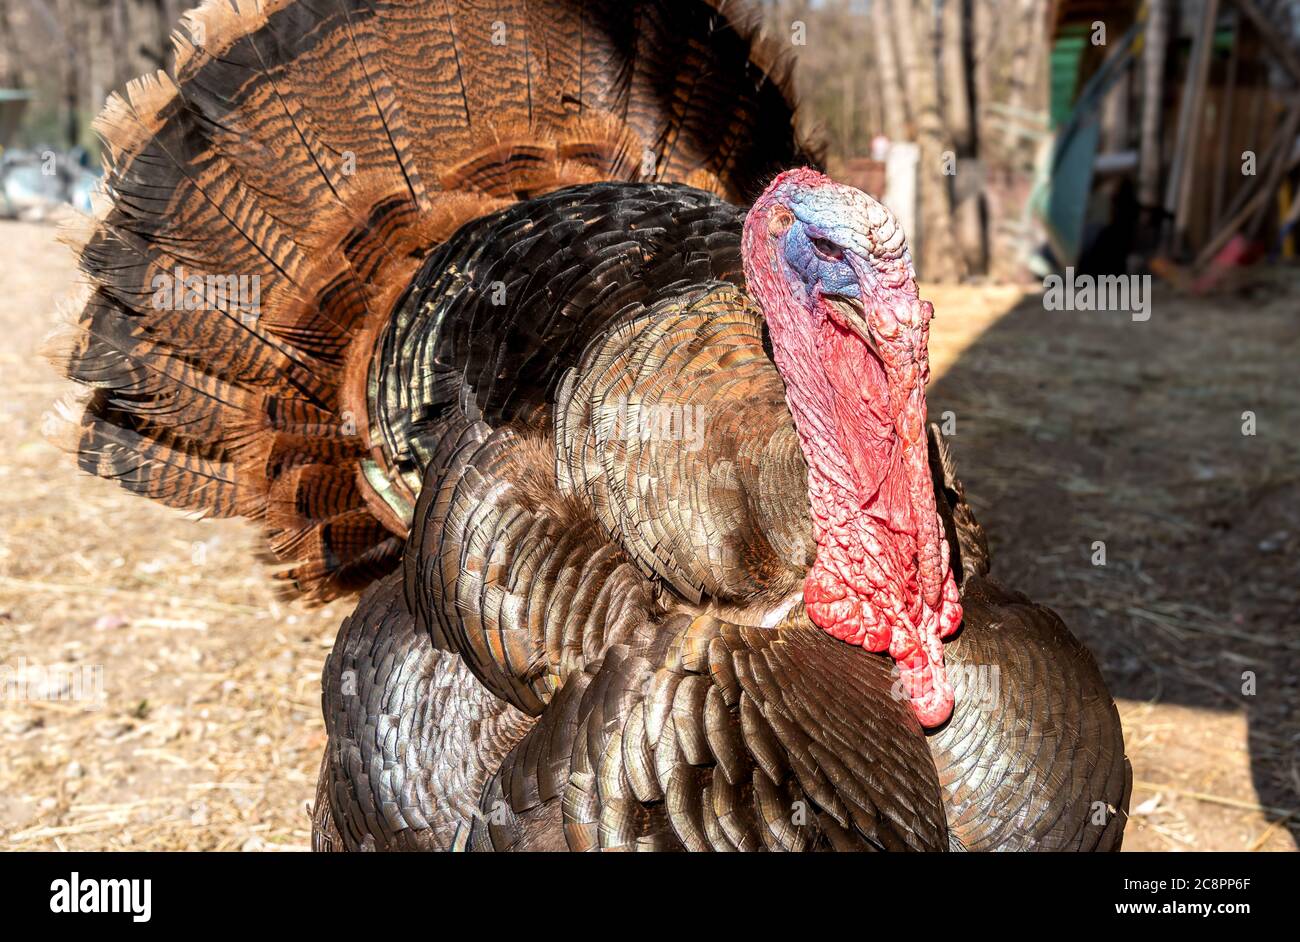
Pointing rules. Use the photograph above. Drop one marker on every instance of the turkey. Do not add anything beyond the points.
(537, 324)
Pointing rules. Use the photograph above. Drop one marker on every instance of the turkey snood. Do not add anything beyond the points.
(830, 268)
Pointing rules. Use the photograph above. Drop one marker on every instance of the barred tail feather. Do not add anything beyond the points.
(271, 200)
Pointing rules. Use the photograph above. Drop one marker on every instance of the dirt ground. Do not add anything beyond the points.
(1071, 429)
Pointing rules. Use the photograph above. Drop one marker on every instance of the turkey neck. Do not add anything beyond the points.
(868, 472)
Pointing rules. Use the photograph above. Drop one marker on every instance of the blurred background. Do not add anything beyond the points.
(1014, 137)
(1139, 475)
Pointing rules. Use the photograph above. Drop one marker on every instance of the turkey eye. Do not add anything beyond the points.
(827, 250)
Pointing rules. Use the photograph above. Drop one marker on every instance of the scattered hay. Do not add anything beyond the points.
(1084, 428)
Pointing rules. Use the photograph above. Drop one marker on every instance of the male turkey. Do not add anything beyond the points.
(638, 479)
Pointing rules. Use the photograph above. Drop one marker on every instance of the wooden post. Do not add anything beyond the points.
(1225, 124)
(1153, 86)
(1178, 194)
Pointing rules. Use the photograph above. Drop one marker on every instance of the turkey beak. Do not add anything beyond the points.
(848, 312)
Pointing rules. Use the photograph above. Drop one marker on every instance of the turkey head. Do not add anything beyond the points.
(830, 269)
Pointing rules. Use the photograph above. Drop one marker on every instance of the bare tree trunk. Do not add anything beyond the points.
(72, 36)
(893, 91)
(984, 19)
(848, 117)
(937, 256)
(169, 13)
(1012, 39)
(117, 27)
(13, 73)
(1025, 27)
(955, 88)
(958, 87)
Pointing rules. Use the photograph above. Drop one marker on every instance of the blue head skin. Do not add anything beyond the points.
(837, 255)
(816, 248)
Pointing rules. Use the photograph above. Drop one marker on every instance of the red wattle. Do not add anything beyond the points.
(865, 589)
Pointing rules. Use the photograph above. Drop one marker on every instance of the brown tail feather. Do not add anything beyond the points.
(271, 201)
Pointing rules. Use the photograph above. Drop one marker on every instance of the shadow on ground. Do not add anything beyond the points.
(1077, 429)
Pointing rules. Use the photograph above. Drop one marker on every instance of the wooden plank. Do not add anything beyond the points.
(1226, 111)
(1251, 199)
(1153, 73)
(1178, 195)
(1273, 38)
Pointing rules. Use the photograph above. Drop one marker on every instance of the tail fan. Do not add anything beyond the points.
(271, 200)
